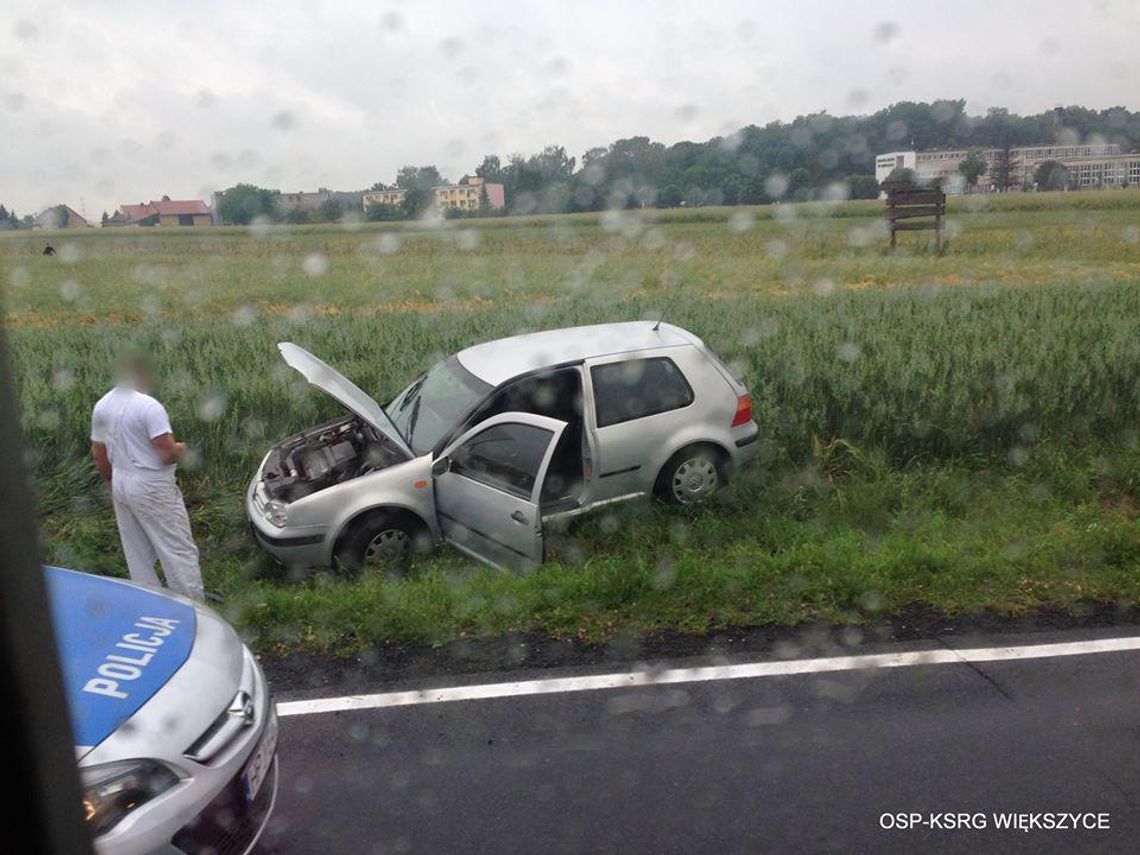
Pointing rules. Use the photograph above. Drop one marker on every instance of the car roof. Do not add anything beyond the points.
(497, 361)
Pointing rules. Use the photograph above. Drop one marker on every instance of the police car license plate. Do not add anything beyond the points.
(261, 760)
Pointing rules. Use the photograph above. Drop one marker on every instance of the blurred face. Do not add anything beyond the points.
(144, 380)
(134, 371)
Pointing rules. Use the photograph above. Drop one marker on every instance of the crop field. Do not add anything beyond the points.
(959, 432)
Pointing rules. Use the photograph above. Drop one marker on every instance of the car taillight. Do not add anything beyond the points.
(743, 410)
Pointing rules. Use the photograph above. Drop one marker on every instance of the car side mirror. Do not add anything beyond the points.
(441, 466)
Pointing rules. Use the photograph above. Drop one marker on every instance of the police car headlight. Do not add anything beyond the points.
(277, 513)
(113, 790)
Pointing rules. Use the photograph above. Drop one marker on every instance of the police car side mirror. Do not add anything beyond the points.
(441, 466)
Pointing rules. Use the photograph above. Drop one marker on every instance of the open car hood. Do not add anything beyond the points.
(344, 391)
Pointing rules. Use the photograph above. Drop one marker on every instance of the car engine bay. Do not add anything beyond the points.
(326, 455)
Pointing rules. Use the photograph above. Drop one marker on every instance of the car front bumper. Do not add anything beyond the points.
(231, 823)
(208, 810)
(293, 546)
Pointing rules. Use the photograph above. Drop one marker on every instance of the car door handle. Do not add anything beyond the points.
(519, 517)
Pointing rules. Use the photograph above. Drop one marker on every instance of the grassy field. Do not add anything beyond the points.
(958, 431)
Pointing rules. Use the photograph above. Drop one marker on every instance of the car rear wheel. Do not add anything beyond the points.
(691, 475)
(382, 541)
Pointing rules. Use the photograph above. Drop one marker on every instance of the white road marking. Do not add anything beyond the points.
(744, 671)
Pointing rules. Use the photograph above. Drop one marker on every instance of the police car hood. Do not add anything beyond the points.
(119, 644)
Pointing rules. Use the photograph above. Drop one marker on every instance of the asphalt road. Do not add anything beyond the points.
(802, 763)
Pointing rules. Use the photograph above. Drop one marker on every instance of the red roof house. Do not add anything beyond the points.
(164, 212)
(181, 208)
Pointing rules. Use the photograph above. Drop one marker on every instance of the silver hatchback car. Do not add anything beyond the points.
(492, 441)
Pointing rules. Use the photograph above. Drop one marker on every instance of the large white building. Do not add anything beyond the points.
(1112, 170)
(1091, 164)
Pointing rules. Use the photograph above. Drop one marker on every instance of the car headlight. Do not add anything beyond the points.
(113, 790)
(276, 512)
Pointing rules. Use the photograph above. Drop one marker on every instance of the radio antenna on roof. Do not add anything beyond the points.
(668, 306)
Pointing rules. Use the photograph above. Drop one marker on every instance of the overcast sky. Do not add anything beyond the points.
(103, 103)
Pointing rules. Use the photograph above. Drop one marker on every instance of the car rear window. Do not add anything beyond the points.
(635, 388)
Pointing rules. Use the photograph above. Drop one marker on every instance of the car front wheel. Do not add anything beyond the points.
(691, 475)
(380, 541)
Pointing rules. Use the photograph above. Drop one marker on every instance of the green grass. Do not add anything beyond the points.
(804, 544)
(975, 414)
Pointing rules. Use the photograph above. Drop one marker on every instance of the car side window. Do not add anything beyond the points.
(635, 388)
(557, 394)
(504, 456)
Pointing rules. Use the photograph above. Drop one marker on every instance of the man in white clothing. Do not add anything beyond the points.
(136, 454)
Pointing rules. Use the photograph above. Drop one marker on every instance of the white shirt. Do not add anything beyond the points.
(126, 421)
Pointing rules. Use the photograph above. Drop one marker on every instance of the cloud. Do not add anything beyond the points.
(108, 103)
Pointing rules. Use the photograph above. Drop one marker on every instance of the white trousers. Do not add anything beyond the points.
(154, 526)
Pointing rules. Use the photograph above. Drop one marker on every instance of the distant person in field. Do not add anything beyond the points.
(136, 454)
(49, 249)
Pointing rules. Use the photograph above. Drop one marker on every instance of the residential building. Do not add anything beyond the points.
(59, 217)
(1023, 162)
(164, 212)
(467, 195)
(187, 212)
(392, 196)
(134, 215)
(302, 201)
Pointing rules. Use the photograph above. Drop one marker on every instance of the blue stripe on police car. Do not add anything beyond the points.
(117, 670)
(118, 643)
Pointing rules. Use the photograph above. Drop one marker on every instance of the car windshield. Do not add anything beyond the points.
(434, 403)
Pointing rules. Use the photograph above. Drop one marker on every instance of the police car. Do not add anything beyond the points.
(175, 732)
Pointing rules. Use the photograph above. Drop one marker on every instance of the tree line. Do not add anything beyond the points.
(814, 156)
(10, 220)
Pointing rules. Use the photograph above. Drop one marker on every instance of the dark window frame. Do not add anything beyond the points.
(478, 414)
(594, 385)
(503, 483)
(486, 409)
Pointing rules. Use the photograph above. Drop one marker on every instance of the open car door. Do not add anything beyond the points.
(488, 485)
